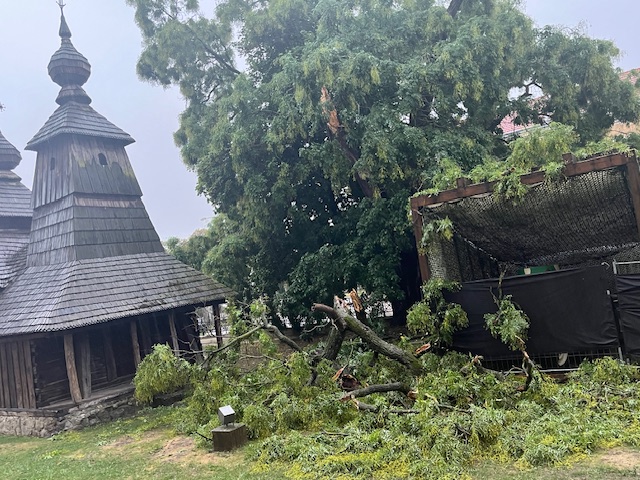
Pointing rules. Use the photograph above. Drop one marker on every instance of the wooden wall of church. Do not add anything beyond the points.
(16, 376)
(51, 382)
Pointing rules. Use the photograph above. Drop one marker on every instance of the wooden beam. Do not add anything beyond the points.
(217, 324)
(145, 336)
(194, 341)
(28, 366)
(174, 334)
(136, 345)
(570, 170)
(633, 181)
(109, 356)
(72, 372)
(4, 376)
(84, 365)
(17, 375)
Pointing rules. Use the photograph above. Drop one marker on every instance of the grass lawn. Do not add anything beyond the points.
(145, 447)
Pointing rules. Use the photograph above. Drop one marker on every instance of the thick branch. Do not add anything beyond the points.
(375, 409)
(282, 337)
(387, 387)
(374, 341)
(454, 7)
(221, 60)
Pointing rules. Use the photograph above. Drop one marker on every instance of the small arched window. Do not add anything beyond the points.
(52, 163)
(102, 159)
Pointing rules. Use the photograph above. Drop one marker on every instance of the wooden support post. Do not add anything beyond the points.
(145, 336)
(4, 377)
(29, 373)
(109, 357)
(136, 345)
(174, 334)
(416, 218)
(84, 365)
(217, 323)
(633, 181)
(17, 375)
(194, 341)
(72, 373)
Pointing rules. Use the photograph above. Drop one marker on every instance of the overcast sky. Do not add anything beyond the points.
(105, 33)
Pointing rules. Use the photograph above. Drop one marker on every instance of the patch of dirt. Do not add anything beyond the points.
(620, 458)
(182, 450)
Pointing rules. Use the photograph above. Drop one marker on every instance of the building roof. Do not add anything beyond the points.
(58, 297)
(9, 155)
(15, 214)
(13, 254)
(79, 119)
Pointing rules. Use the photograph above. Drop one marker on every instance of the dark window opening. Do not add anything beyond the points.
(102, 159)
(52, 163)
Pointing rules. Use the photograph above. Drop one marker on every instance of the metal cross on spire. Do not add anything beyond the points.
(61, 4)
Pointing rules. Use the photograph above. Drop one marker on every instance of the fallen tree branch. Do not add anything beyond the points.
(369, 336)
(381, 388)
(366, 407)
(282, 337)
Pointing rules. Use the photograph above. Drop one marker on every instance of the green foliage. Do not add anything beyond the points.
(161, 372)
(434, 316)
(542, 146)
(606, 146)
(484, 418)
(439, 228)
(341, 111)
(509, 324)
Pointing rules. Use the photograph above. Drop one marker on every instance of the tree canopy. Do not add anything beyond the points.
(310, 122)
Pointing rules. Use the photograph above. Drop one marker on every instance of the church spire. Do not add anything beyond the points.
(69, 68)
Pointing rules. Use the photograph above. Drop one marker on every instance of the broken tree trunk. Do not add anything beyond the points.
(369, 336)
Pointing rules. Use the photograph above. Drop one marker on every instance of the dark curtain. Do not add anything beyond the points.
(628, 287)
(570, 311)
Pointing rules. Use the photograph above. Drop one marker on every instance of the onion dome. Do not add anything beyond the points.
(69, 69)
(9, 155)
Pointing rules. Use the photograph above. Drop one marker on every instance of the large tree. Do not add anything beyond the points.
(310, 122)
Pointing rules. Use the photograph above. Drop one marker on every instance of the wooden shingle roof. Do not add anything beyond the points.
(79, 119)
(70, 295)
(9, 155)
(15, 198)
(13, 254)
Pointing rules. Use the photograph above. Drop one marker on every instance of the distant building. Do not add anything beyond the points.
(86, 287)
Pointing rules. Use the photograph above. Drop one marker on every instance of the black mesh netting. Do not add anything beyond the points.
(584, 220)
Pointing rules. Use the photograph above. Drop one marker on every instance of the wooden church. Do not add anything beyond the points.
(86, 287)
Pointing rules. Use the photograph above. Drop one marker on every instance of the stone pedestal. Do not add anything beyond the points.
(229, 437)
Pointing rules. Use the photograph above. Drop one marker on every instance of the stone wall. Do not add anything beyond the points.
(44, 423)
(29, 423)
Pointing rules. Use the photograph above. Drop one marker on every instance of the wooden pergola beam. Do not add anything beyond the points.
(633, 181)
(570, 170)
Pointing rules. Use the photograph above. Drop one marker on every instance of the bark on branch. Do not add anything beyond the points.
(375, 409)
(383, 388)
(374, 341)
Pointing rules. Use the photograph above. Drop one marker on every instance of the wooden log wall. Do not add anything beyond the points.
(16, 376)
(52, 384)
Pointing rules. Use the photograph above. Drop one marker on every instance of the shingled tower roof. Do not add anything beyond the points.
(15, 214)
(71, 70)
(93, 253)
